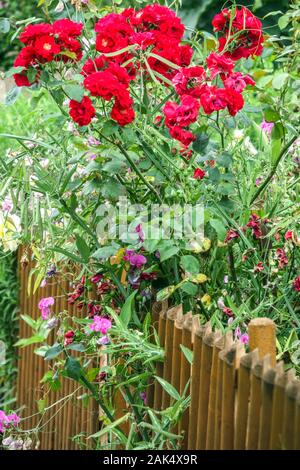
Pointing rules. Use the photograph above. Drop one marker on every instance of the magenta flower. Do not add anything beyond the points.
(8, 420)
(44, 305)
(138, 229)
(267, 126)
(135, 259)
(101, 324)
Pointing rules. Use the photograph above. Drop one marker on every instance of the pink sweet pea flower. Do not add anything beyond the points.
(267, 126)
(44, 305)
(101, 324)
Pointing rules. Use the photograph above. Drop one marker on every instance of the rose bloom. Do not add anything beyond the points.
(82, 112)
(199, 174)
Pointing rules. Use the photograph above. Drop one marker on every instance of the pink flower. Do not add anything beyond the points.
(7, 205)
(267, 126)
(259, 267)
(228, 311)
(138, 229)
(101, 324)
(13, 419)
(93, 141)
(135, 259)
(44, 305)
(103, 340)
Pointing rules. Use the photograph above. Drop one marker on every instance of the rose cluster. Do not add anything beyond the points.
(149, 41)
(108, 77)
(45, 43)
(242, 34)
(198, 88)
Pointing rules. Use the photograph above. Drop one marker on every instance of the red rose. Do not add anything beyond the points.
(25, 58)
(219, 64)
(189, 81)
(243, 35)
(238, 82)
(181, 115)
(33, 31)
(235, 101)
(82, 112)
(66, 27)
(123, 116)
(46, 47)
(93, 65)
(213, 99)
(102, 84)
(183, 136)
(199, 174)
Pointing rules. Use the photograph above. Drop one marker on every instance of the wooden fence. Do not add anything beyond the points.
(238, 400)
(69, 417)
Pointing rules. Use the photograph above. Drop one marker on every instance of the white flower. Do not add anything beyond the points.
(238, 134)
(249, 146)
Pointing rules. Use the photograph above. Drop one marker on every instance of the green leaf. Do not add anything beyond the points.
(92, 373)
(190, 264)
(168, 251)
(27, 341)
(283, 21)
(83, 248)
(189, 288)
(41, 404)
(271, 115)
(14, 70)
(30, 321)
(168, 388)
(201, 142)
(68, 254)
(187, 353)
(219, 227)
(127, 309)
(74, 92)
(73, 368)
(76, 347)
(110, 427)
(104, 253)
(280, 80)
(53, 352)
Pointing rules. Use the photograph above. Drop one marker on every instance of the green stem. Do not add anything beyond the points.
(263, 186)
